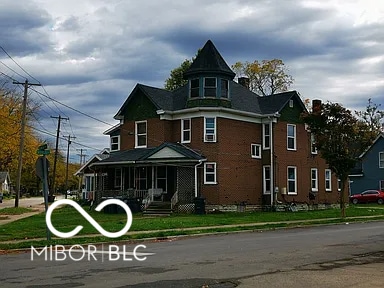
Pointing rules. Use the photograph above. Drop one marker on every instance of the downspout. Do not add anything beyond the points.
(272, 168)
(196, 182)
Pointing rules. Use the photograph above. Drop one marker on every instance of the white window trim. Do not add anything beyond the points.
(257, 149)
(294, 137)
(265, 192)
(214, 173)
(205, 130)
(265, 147)
(330, 179)
(288, 180)
(313, 147)
(118, 143)
(137, 134)
(183, 130)
(291, 103)
(316, 188)
(226, 81)
(381, 157)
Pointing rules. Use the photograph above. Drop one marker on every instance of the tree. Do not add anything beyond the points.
(266, 77)
(176, 79)
(372, 116)
(340, 137)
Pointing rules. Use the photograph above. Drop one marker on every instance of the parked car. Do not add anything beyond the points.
(368, 196)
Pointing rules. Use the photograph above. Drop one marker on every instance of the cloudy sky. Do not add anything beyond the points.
(89, 55)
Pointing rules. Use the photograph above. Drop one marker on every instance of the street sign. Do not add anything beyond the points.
(43, 152)
(43, 146)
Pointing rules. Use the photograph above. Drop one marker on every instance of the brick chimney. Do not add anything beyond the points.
(316, 105)
(243, 81)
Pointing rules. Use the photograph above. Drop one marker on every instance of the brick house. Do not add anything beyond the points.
(213, 138)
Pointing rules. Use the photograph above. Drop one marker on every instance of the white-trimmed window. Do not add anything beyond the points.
(224, 88)
(210, 173)
(256, 151)
(209, 87)
(291, 137)
(195, 88)
(290, 103)
(292, 180)
(118, 177)
(141, 134)
(313, 144)
(185, 130)
(266, 179)
(209, 129)
(381, 159)
(115, 143)
(328, 181)
(314, 180)
(266, 136)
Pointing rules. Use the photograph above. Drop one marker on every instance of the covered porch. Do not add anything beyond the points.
(167, 173)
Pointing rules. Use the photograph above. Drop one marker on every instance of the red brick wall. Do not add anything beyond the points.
(304, 161)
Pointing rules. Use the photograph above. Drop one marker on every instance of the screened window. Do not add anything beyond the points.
(118, 172)
(210, 129)
(291, 137)
(224, 88)
(381, 159)
(210, 87)
(195, 88)
(267, 179)
(210, 173)
(266, 136)
(292, 180)
(141, 134)
(314, 180)
(256, 150)
(328, 184)
(185, 130)
(115, 143)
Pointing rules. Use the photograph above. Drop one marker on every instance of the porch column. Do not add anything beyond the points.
(153, 177)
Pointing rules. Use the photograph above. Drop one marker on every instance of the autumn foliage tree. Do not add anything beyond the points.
(266, 77)
(340, 137)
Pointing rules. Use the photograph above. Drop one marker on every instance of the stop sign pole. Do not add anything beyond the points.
(42, 165)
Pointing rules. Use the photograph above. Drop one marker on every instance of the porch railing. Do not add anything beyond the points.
(174, 199)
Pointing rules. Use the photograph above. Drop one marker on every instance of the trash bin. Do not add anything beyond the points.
(199, 205)
(133, 204)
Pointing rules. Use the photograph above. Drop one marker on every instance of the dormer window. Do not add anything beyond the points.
(195, 87)
(224, 88)
(209, 87)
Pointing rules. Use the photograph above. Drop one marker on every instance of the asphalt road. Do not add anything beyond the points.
(326, 256)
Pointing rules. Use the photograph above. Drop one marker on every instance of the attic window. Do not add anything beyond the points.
(210, 87)
(291, 103)
(195, 87)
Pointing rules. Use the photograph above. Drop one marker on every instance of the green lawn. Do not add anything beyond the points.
(65, 219)
(14, 211)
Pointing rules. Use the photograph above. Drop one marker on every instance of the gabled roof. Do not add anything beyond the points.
(276, 102)
(161, 98)
(141, 155)
(209, 60)
(4, 175)
(381, 135)
(104, 154)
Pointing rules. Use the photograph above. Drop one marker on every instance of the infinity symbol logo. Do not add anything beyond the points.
(89, 218)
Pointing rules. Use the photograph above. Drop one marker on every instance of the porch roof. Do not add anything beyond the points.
(166, 152)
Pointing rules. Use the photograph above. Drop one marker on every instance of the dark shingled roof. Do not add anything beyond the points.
(209, 60)
(276, 102)
(142, 154)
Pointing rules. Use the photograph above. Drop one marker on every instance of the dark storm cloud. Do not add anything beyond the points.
(23, 28)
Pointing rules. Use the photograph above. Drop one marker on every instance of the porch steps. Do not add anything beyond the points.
(158, 208)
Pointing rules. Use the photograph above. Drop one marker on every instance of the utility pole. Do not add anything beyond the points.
(56, 152)
(81, 163)
(66, 169)
(22, 136)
